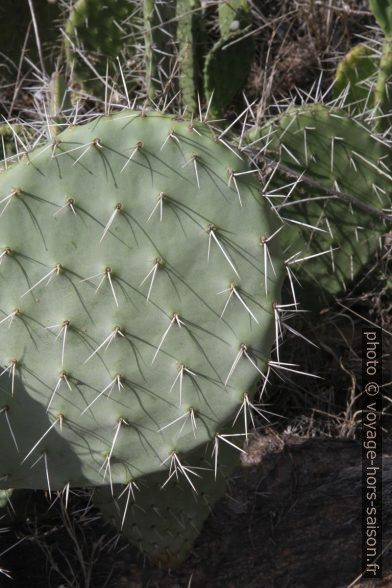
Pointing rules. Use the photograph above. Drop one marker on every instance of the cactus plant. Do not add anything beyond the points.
(366, 77)
(141, 270)
(96, 34)
(226, 69)
(329, 155)
(356, 74)
(136, 312)
(189, 37)
(382, 10)
(233, 15)
(60, 105)
(159, 39)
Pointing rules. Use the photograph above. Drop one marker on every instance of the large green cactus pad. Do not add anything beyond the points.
(115, 212)
(332, 151)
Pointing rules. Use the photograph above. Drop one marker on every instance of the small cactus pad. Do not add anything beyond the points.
(189, 32)
(134, 310)
(233, 15)
(356, 76)
(382, 10)
(226, 69)
(327, 149)
(96, 34)
(382, 91)
(159, 33)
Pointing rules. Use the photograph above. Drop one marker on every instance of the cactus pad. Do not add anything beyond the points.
(382, 10)
(226, 69)
(159, 33)
(189, 32)
(96, 34)
(336, 152)
(135, 315)
(356, 74)
(233, 15)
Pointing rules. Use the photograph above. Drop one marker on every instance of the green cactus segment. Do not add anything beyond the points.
(336, 152)
(233, 15)
(365, 78)
(122, 243)
(188, 37)
(226, 70)
(356, 74)
(368, 78)
(382, 11)
(96, 34)
(162, 518)
(148, 14)
(60, 105)
(382, 92)
(162, 522)
(159, 36)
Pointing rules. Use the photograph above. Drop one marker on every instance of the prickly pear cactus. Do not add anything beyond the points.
(159, 37)
(326, 151)
(233, 15)
(136, 313)
(164, 522)
(226, 69)
(364, 77)
(60, 105)
(96, 34)
(382, 10)
(382, 93)
(189, 37)
(356, 77)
